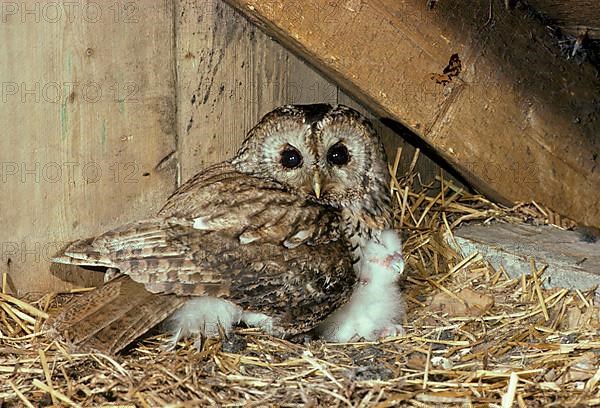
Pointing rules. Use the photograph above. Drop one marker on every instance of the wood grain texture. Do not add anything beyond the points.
(571, 263)
(87, 115)
(574, 17)
(229, 75)
(520, 122)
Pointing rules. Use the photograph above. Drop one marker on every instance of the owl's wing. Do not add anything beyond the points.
(256, 209)
(222, 234)
(169, 256)
(298, 286)
(163, 257)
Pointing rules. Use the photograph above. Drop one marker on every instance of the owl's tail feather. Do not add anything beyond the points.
(83, 253)
(108, 319)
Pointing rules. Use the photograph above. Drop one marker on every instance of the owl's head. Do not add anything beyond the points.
(327, 154)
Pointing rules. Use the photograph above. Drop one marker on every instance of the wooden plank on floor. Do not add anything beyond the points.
(572, 262)
(518, 120)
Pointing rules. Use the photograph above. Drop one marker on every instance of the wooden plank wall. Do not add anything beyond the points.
(181, 83)
(88, 103)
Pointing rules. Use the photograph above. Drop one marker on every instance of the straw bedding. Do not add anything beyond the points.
(473, 338)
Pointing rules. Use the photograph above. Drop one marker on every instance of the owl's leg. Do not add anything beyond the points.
(203, 316)
(261, 321)
(217, 331)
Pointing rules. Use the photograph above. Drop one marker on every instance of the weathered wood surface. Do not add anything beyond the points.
(520, 122)
(87, 114)
(571, 262)
(230, 73)
(574, 17)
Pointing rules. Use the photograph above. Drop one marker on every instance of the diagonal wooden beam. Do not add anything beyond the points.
(574, 17)
(519, 121)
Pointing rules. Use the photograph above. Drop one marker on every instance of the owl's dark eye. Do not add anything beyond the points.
(338, 154)
(290, 157)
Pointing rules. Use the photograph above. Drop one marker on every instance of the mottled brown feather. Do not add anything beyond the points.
(298, 286)
(246, 204)
(109, 318)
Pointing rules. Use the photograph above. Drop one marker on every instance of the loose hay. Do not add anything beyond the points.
(499, 343)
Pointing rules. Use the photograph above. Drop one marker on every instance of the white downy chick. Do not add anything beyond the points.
(376, 306)
(209, 316)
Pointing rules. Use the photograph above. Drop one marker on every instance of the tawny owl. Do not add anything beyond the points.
(268, 238)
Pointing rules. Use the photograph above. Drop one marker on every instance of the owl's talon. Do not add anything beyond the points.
(198, 343)
(172, 342)
(169, 346)
(398, 266)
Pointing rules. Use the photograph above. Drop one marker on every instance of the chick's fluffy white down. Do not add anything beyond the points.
(376, 307)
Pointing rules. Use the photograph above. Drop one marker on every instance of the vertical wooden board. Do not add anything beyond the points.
(306, 85)
(88, 111)
(230, 74)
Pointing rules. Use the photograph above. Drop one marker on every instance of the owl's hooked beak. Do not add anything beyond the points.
(316, 184)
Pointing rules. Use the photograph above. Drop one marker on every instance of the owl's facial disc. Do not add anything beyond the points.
(329, 155)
